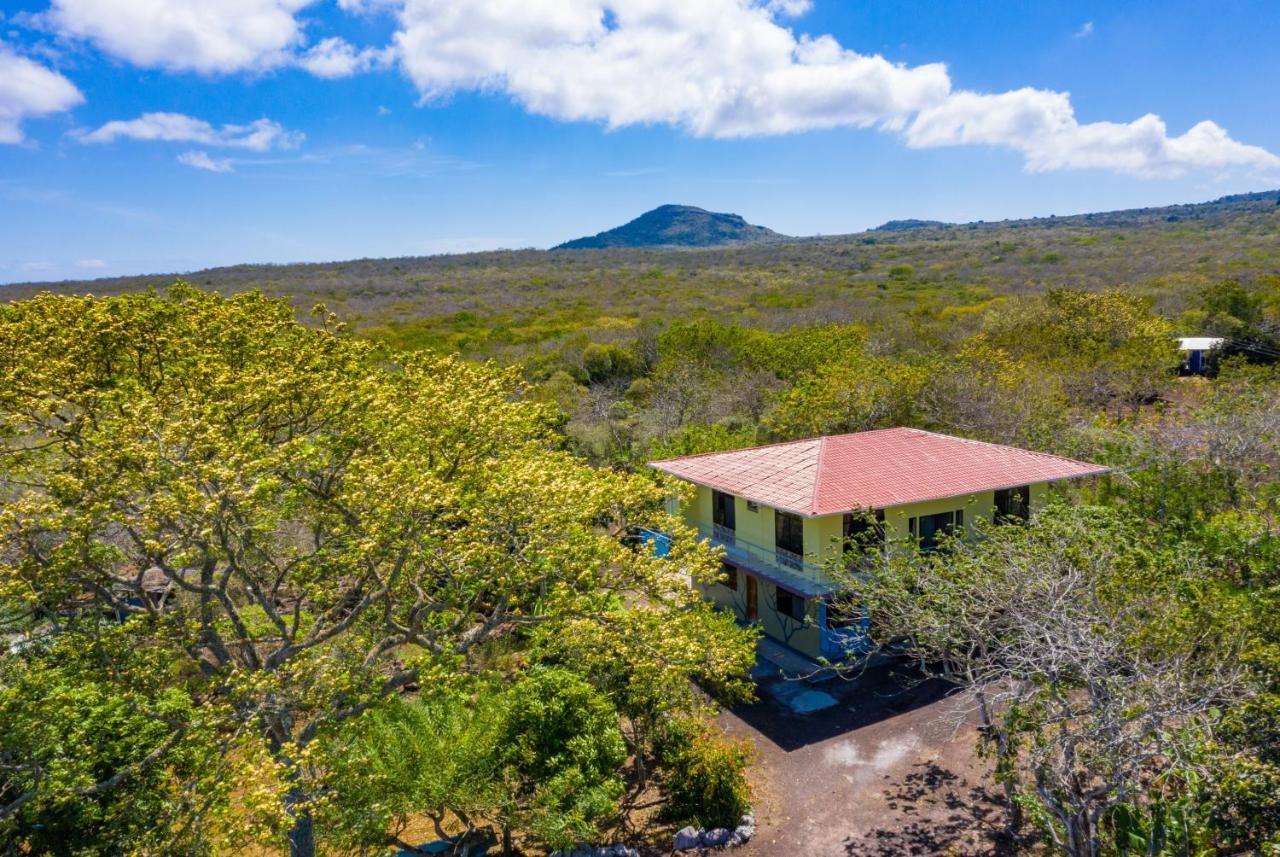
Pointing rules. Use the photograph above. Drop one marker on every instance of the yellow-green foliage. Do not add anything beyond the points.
(331, 525)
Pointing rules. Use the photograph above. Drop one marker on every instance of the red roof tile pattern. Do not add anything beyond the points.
(870, 470)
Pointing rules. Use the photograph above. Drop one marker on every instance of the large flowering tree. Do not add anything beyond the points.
(224, 532)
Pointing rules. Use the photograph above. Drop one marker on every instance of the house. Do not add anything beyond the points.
(1194, 349)
(783, 511)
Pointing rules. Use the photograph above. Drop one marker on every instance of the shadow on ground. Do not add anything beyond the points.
(971, 822)
(875, 694)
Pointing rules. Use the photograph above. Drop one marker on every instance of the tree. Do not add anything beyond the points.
(559, 753)
(292, 529)
(648, 661)
(542, 754)
(987, 394)
(1091, 655)
(856, 394)
(1109, 348)
(426, 756)
(1229, 309)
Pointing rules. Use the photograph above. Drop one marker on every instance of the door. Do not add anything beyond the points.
(753, 602)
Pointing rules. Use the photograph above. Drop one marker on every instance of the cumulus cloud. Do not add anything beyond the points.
(718, 68)
(260, 135)
(203, 161)
(368, 7)
(1041, 125)
(730, 68)
(715, 68)
(29, 89)
(204, 36)
(335, 57)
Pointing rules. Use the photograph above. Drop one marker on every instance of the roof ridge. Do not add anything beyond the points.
(817, 474)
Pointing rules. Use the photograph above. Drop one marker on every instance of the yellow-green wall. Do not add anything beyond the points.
(822, 538)
(980, 505)
(804, 637)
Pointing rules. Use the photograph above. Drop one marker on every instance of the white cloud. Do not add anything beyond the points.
(790, 8)
(335, 57)
(203, 161)
(718, 68)
(204, 36)
(1085, 30)
(260, 135)
(715, 68)
(729, 68)
(29, 89)
(367, 7)
(1042, 126)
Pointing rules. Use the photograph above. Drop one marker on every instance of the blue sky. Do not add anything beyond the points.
(150, 136)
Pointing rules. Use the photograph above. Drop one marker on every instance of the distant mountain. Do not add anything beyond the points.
(677, 226)
(908, 225)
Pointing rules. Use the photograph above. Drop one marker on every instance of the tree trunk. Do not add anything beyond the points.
(302, 838)
(1005, 762)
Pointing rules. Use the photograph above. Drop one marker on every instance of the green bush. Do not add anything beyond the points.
(704, 775)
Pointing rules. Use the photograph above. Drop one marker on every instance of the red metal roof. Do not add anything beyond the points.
(870, 470)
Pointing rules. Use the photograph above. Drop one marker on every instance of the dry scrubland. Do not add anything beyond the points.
(930, 282)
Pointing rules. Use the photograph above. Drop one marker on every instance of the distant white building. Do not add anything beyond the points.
(1194, 349)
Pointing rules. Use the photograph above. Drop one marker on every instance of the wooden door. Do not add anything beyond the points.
(753, 603)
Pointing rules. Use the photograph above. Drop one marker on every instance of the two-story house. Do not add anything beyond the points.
(783, 511)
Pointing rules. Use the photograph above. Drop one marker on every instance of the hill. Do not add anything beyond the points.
(904, 225)
(934, 281)
(676, 226)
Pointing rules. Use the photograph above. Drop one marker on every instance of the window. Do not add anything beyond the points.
(722, 513)
(1013, 504)
(790, 604)
(788, 531)
(729, 576)
(929, 528)
(753, 506)
(864, 529)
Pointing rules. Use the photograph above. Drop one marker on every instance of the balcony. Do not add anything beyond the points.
(789, 559)
(777, 565)
(722, 534)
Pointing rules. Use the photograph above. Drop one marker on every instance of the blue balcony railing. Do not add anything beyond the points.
(779, 565)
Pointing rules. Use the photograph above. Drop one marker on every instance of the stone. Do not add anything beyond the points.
(748, 819)
(688, 838)
(743, 833)
(716, 837)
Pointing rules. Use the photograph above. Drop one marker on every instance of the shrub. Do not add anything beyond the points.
(704, 775)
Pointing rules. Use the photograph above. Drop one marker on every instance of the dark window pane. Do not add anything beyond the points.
(722, 512)
(788, 532)
(790, 604)
(864, 529)
(930, 528)
(1013, 503)
(729, 576)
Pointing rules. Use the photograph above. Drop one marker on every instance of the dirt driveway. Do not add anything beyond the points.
(881, 768)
